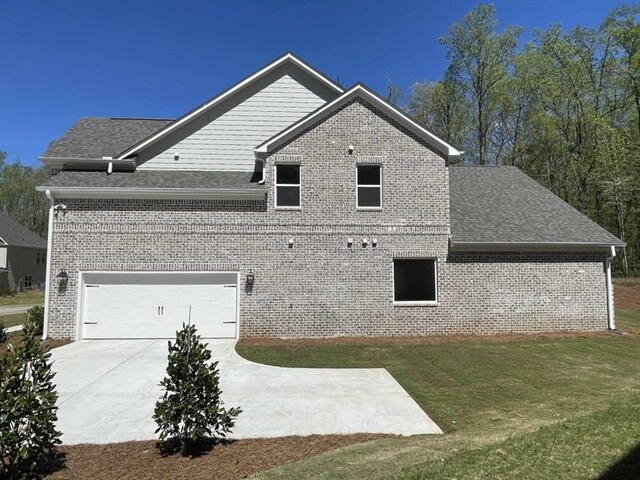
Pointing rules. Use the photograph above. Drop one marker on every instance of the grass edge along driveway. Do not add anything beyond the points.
(480, 391)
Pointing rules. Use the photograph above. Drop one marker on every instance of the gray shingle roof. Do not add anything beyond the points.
(488, 204)
(94, 138)
(155, 179)
(15, 234)
(504, 205)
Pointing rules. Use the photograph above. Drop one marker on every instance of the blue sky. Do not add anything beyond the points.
(63, 60)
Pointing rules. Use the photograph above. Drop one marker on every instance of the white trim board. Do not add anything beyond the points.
(156, 193)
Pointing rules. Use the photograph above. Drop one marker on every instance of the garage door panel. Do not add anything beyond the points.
(157, 309)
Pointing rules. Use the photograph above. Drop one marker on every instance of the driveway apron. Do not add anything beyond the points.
(108, 390)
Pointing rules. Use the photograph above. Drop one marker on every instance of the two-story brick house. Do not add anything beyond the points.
(289, 206)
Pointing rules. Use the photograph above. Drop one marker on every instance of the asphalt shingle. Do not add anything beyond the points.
(94, 138)
(15, 234)
(504, 205)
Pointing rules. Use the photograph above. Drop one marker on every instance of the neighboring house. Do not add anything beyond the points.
(23, 257)
(290, 206)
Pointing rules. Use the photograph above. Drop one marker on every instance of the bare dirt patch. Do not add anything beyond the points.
(627, 295)
(234, 460)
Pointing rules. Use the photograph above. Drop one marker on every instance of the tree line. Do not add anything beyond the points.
(18, 196)
(563, 107)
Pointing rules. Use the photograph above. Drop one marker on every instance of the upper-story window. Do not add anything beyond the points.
(287, 186)
(369, 187)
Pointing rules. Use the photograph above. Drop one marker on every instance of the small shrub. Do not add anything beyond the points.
(6, 292)
(3, 332)
(35, 315)
(190, 412)
(28, 436)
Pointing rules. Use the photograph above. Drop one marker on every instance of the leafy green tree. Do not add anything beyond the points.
(18, 196)
(28, 411)
(190, 412)
(481, 58)
(443, 108)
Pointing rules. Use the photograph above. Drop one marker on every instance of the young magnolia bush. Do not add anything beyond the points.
(28, 411)
(36, 316)
(190, 412)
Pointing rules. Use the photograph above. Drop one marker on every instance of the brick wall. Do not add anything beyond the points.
(321, 286)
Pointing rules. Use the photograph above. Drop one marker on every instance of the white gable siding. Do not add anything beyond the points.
(223, 138)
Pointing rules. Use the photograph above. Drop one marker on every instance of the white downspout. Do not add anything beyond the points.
(264, 168)
(610, 313)
(47, 287)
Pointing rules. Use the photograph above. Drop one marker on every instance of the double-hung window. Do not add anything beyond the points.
(369, 187)
(287, 186)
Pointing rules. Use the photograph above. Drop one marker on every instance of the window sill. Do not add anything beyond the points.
(368, 209)
(288, 208)
(416, 304)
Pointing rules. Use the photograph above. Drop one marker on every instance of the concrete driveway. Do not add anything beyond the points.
(108, 390)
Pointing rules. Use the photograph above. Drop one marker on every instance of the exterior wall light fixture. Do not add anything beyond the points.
(365, 242)
(291, 242)
(62, 278)
(374, 242)
(350, 149)
(250, 279)
(349, 242)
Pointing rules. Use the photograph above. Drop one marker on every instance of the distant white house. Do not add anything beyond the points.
(23, 257)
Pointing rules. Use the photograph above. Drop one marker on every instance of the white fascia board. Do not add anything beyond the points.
(156, 193)
(386, 107)
(289, 57)
(539, 246)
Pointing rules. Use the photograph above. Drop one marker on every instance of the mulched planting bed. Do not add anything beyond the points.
(15, 339)
(627, 296)
(233, 460)
(415, 340)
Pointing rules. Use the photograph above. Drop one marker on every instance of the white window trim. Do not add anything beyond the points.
(276, 185)
(415, 303)
(358, 207)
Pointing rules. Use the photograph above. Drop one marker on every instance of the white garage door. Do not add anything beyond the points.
(155, 305)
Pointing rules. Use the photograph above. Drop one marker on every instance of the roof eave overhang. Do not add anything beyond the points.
(288, 57)
(357, 91)
(89, 163)
(473, 246)
(18, 245)
(156, 193)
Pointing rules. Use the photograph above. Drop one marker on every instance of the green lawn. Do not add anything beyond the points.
(11, 320)
(481, 392)
(582, 447)
(628, 320)
(31, 297)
